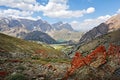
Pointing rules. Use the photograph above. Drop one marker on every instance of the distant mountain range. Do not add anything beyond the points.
(29, 25)
(6, 24)
(64, 32)
(60, 25)
(20, 28)
(111, 25)
(65, 35)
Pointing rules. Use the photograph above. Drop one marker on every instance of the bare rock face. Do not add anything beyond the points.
(111, 25)
(114, 23)
(95, 32)
(60, 25)
(12, 27)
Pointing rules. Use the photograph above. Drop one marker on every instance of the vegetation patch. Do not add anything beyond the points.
(16, 76)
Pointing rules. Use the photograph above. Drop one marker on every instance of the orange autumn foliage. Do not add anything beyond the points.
(94, 54)
(79, 61)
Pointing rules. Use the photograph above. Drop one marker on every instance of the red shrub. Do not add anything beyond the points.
(3, 73)
(15, 61)
(41, 52)
(77, 60)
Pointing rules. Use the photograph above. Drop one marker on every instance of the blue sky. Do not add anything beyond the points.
(81, 14)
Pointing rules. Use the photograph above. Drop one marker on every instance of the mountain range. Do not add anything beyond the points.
(7, 24)
(20, 28)
(59, 31)
(30, 25)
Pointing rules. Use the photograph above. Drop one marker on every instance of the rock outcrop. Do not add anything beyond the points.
(100, 63)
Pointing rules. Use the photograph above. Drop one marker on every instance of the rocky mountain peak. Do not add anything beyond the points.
(114, 22)
(111, 24)
(60, 25)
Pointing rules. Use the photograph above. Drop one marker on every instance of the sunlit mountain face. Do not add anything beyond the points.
(59, 40)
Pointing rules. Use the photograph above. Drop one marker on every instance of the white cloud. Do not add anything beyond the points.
(28, 5)
(60, 9)
(88, 24)
(90, 10)
(64, 14)
(27, 8)
(14, 12)
(17, 14)
(28, 17)
(54, 8)
(118, 11)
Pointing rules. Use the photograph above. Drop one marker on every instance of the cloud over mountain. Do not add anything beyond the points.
(54, 9)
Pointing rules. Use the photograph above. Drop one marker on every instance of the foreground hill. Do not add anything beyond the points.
(15, 45)
(25, 60)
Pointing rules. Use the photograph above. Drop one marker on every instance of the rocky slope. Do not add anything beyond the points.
(20, 59)
(97, 55)
(111, 25)
(111, 37)
(100, 64)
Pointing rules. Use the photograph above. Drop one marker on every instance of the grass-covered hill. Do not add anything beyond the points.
(15, 45)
